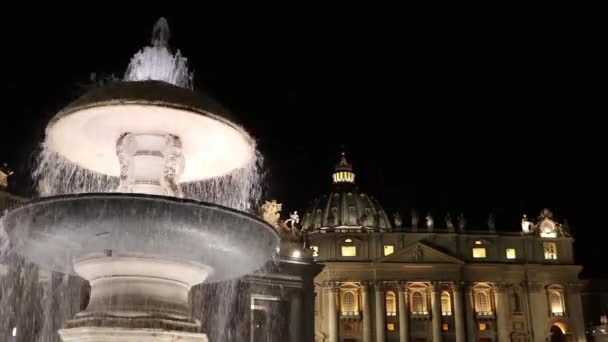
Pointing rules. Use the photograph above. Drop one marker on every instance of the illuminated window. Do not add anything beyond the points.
(315, 251)
(479, 252)
(349, 251)
(550, 251)
(446, 305)
(418, 304)
(445, 327)
(390, 326)
(510, 253)
(391, 304)
(482, 302)
(483, 326)
(348, 240)
(349, 327)
(478, 242)
(389, 249)
(556, 301)
(349, 303)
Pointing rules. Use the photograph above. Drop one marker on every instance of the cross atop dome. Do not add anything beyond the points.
(343, 172)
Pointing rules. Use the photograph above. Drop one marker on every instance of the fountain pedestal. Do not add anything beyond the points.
(136, 299)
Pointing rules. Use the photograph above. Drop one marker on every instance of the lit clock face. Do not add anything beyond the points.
(547, 227)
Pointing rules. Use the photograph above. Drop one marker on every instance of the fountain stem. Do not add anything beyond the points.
(150, 164)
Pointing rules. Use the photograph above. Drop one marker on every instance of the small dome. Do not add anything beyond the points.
(345, 206)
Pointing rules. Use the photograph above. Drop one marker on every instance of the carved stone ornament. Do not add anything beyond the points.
(271, 212)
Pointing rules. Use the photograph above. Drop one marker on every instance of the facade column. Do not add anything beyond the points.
(574, 310)
(380, 313)
(539, 311)
(404, 319)
(332, 312)
(502, 312)
(436, 311)
(367, 313)
(459, 317)
(469, 308)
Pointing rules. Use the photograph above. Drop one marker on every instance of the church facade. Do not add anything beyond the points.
(384, 280)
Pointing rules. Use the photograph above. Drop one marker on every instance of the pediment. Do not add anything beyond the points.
(420, 252)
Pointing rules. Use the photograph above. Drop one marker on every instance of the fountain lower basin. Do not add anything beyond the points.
(55, 232)
(141, 255)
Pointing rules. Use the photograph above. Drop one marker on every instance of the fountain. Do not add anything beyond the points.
(141, 245)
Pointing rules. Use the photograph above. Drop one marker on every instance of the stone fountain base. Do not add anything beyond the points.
(136, 298)
(97, 334)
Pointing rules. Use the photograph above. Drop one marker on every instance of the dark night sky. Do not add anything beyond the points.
(457, 108)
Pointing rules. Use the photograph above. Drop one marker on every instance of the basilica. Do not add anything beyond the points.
(388, 280)
(348, 272)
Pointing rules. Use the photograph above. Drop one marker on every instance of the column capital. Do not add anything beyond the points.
(574, 287)
(435, 286)
(457, 286)
(534, 286)
(379, 285)
(330, 285)
(402, 286)
(364, 286)
(502, 287)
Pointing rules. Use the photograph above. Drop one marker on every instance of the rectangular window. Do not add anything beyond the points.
(445, 327)
(390, 326)
(349, 251)
(511, 253)
(483, 326)
(479, 252)
(389, 249)
(315, 251)
(550, 251)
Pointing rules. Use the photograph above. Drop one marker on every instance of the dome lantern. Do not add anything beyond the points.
(343, 172)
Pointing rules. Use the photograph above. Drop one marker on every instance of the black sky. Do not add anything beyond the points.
(460, 107)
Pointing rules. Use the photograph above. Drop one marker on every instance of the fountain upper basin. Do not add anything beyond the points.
(87, 130)
(55, 232)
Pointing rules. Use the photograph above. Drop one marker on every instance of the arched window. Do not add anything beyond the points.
(349, 303)
(482, 302)
(391, 304)
(446, 304)
(557, 302)
(418, 306)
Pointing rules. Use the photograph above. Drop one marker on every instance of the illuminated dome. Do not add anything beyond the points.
(345, 207)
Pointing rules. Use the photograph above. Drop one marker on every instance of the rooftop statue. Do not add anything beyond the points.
(462, 222)
(4, 174)
(491, 223)
(430, 223)
(526, 225)
(414, 220)
(448, 222)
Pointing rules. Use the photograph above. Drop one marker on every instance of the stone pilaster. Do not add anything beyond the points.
(436, 311)
(459, 315)
(380, 312)
(574, 310)
(502, 312)
(472, 326)
(404, 320)
(539, 311)
(367, 312)
(332, 311)
(295, 316)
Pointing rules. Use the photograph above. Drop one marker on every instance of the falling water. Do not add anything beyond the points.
(241, 189)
